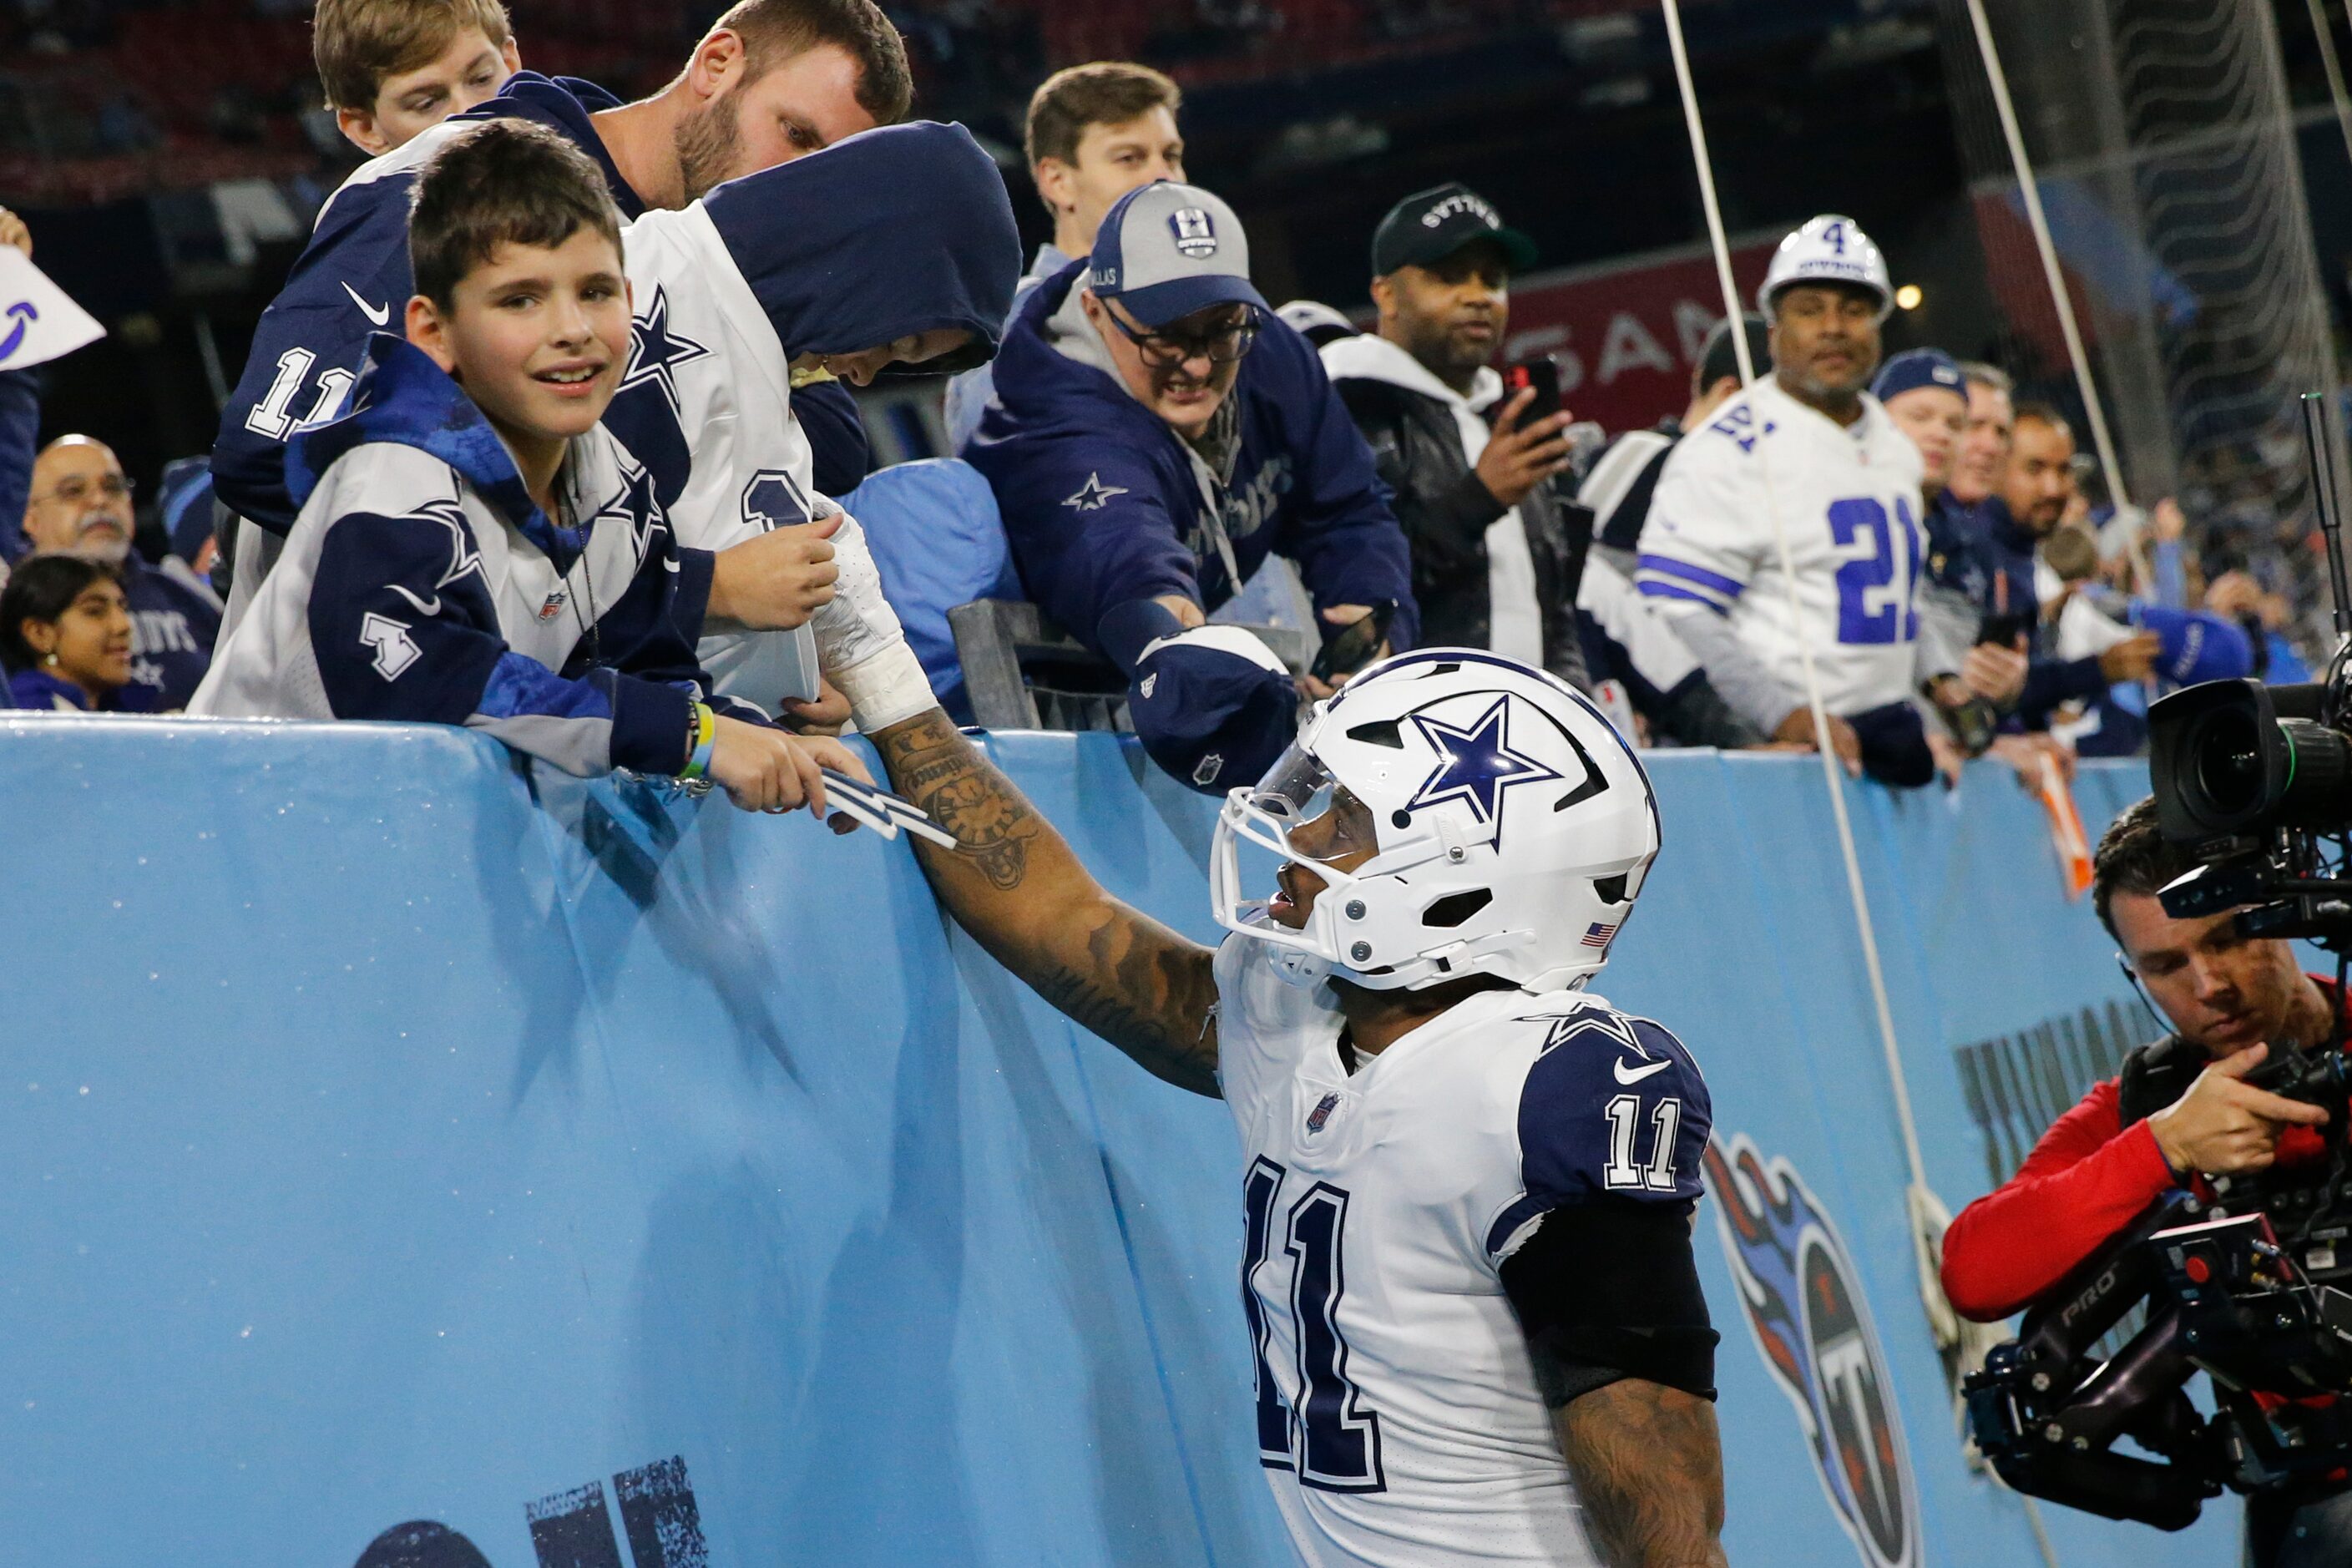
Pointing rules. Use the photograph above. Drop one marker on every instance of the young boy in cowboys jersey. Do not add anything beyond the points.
(1468, 1184)
(472, 547)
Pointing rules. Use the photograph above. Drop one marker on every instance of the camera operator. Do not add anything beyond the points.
(2180, 1111)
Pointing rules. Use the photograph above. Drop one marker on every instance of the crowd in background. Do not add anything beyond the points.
(1174, 461)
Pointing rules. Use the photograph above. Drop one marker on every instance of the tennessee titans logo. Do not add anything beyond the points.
(1810, 1324)
(1476, 764)
(1196, 237)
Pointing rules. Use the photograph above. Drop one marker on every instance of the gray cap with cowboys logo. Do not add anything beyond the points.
(1165, 250)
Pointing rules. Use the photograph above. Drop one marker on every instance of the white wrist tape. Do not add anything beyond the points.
(885, 687)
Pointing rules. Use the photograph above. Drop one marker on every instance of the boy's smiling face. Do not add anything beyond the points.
(537, 335)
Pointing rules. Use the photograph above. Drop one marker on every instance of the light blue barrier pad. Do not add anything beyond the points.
(392, 1133)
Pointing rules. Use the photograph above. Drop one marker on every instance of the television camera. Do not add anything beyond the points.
(2255, 1288)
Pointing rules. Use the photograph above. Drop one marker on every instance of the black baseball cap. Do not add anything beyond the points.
(1430, 226)
(1719, 359)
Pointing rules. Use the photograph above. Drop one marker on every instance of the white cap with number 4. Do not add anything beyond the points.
(1828, 249)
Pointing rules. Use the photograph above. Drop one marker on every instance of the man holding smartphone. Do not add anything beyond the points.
(1497, 547)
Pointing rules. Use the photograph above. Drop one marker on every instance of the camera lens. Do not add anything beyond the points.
(2229, 760)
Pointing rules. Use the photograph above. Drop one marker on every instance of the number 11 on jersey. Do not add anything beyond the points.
(1335, 1443)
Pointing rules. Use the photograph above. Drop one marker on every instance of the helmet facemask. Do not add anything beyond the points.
(1436, 751)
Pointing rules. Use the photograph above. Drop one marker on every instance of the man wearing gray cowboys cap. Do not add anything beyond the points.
(1157, 433)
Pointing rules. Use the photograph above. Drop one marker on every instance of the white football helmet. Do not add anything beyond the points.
(1515, 827)
(1828, 249)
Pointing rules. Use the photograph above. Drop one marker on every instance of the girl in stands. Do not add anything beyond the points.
(65, 637)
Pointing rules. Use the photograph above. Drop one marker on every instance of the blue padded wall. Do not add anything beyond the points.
(391, 1132)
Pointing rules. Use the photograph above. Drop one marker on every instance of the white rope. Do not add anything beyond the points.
(1830, 769)
(2060, 298)
(2324, 31)
(1920, 1200)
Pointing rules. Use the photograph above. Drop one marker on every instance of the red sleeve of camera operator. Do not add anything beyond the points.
(2083, 1181)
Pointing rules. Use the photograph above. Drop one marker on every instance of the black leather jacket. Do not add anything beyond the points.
(1445, 510)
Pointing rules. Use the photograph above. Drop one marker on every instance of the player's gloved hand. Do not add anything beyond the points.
(768, 770)
(1798, 728)
(2223, 1125)
(826, 716)
(777, 581)
(2133, 658)
(1517, 458)
(1995, 673)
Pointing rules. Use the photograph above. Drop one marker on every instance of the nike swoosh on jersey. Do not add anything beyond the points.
(424, 607)
(1638, 1074)
(378, 314)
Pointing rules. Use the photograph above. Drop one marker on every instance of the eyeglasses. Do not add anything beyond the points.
(81, 492)
(1219, 345)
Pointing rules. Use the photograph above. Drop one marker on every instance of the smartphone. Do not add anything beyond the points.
(2003, 628)
(1542, 373)
(1354, 647)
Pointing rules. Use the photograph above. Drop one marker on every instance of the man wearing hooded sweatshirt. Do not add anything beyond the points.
(1157, 433)
(771, 80)
(806, 270)
(1499, 551)
(1496, 550)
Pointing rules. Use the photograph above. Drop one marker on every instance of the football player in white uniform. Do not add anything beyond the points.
(1811, 443)
(1469, 1184)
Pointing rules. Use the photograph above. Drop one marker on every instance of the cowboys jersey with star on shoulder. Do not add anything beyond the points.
(1399, 1418)
(729, 292)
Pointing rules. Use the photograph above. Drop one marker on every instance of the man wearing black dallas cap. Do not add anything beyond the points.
(1496, 551)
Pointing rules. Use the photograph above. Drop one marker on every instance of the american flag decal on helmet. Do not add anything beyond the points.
(1598, 933)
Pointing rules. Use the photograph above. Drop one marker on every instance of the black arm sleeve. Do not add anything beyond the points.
(1609, 1290)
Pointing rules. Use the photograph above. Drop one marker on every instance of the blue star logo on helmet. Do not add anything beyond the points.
(1475, 765)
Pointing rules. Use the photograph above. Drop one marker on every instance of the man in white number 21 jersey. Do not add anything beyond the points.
(1467, 1182)
(1807, 444)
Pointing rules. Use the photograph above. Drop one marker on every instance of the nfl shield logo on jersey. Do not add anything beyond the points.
(1806, 1312)
(1196, 237)
(1321, 1116)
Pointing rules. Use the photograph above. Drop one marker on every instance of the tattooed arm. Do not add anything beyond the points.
(1649, 1471)
(1016, 887)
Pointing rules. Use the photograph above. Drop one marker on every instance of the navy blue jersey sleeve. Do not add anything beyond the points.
(20, 439)
(1614, 1108)
(2050, 682)
(1336, 524)
(352, 279)
(838, 452)
(402, 628)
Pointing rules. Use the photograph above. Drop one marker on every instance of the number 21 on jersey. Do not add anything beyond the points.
(1878, 593)
(1331, 1440)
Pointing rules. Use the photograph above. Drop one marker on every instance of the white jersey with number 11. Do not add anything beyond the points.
(1398, 1415)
